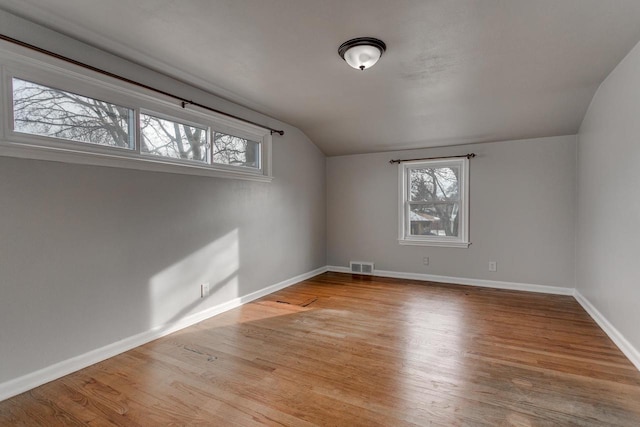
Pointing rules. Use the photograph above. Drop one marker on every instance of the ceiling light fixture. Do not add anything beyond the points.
(363, 52)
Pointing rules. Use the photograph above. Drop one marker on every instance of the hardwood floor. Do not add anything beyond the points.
(359, 351)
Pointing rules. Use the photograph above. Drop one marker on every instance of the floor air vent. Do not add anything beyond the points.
(359, 267)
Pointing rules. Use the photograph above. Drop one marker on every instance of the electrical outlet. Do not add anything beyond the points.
(425, 260)
(204, 290)
(493, 266)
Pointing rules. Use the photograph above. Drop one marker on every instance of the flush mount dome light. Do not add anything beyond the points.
(363, 52)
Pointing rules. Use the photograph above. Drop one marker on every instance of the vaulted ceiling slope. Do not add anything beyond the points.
(456, 71)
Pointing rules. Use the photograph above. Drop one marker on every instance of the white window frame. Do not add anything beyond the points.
(404, 235)
(24, 64)
(181, 121)
(238, 134)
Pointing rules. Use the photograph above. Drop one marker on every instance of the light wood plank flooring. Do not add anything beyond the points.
(359, 351)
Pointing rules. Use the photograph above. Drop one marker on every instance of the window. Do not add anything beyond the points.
(236, 151)
(45, 111)
(57, 111)
(168, 138)
(434, 203)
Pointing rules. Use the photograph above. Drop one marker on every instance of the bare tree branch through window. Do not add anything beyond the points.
(232, 150)
(44, 111)
(434, 201)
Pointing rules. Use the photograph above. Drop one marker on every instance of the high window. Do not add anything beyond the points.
(434, 203)
(57, 111)
(235, 151)
(45, 111)
(169, 138)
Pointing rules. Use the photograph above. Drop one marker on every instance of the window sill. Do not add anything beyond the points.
(127, 161)
(441, 243)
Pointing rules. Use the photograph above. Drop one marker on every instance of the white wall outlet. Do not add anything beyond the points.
(425, 260)
(204, 290)
(493, 266)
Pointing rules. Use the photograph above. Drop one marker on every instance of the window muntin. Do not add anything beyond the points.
(235, 151)
(45, 111)
(434, 203)
(169, 138)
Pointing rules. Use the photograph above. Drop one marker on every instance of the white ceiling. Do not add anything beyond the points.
(456, 71)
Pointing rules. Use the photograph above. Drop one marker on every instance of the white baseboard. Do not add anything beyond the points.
(27, 382)
(34, 379)
(556, 290)
(623, 344)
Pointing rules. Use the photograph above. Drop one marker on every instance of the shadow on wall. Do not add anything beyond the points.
(97, 255)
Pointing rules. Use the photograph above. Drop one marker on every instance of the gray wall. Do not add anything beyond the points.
(607, 268)
(91, 255)
(522, 198)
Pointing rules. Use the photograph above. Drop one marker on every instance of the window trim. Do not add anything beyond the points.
(404, 238)
(20, 63)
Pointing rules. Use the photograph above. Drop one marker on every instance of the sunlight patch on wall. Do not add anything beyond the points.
(175, 291)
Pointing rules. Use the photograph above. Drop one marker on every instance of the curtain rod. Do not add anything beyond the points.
(183, 101)
(468, 156)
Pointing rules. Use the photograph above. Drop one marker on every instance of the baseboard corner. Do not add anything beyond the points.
(612, 332)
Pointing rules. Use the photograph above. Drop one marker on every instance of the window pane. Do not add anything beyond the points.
(232, 150)
(434, 219)
(45, 111)
(434, 184)
(167, 138)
